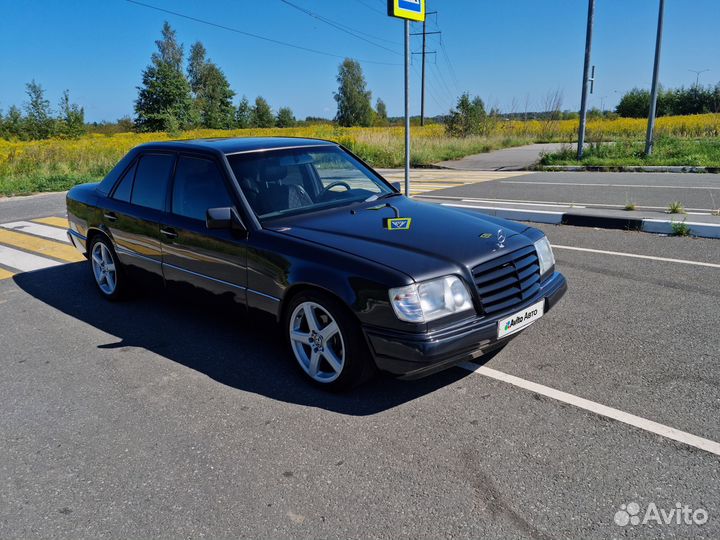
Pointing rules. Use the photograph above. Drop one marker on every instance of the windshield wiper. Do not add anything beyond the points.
(383, 196)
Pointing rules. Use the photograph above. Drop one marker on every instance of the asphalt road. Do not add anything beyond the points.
(614, 190)
(162, 417)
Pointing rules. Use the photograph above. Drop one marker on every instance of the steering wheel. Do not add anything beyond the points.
(332, 185)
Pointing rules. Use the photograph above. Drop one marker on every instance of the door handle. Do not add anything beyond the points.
(168, 233)
(110, 216)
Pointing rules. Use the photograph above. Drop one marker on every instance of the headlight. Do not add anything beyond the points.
(545, 255)
(430, 300)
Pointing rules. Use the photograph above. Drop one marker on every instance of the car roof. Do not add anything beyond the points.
(237, 144)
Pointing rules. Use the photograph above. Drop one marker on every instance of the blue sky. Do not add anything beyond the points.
(503, 51)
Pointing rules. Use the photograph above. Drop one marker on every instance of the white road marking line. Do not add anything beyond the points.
(605, 185)
(25, 262)
(597, 408)
(692, 211)
(499, 208)
(493, 201)
(36, 229)
(636, 256)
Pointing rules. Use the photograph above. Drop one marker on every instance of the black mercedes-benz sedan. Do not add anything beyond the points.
(359, 276)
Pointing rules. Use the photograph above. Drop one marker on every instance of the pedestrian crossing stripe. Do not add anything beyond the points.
(417, 188)
(37, 229)
(54, 221)
(40, 246)
(35, 244)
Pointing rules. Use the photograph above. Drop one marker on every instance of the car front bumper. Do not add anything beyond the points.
(417, 355)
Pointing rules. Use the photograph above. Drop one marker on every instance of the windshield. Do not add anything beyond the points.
(301, 180)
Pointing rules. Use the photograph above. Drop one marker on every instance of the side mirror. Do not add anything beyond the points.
(224, 218)
(397, 185)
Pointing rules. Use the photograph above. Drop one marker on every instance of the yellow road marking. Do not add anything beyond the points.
(5, 274)
(54, 221)
(40, 246)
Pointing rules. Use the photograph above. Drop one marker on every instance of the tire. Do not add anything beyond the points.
(332, 357)
(106, 269)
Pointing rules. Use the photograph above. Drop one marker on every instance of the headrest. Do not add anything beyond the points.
(272, 172)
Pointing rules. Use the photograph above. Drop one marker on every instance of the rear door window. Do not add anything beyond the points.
(151, 180)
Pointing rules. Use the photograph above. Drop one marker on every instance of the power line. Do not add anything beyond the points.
(256, 36)
(430, 88)
(446, 56)
(341, 27)
(325, 19)
(450, 66)
(370, 7)
(442, 80)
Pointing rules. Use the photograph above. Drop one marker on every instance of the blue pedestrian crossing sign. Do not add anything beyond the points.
(413, 10)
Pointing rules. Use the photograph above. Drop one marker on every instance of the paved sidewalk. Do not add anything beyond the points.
(508, 159)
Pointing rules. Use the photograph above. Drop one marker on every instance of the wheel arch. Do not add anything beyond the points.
(298, 288)
(92, 233)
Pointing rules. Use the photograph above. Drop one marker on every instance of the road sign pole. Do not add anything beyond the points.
(407, 108)
(586, 79)
(408, 10)
(422, 85)
(654, 91)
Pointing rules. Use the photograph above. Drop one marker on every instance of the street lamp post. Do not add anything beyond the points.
(654, 91)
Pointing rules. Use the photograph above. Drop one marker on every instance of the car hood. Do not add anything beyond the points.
(439, 239)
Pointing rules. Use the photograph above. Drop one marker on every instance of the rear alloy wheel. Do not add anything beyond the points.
(326, 342)
(106, 269)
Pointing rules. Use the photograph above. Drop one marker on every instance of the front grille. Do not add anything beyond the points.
(507, 280)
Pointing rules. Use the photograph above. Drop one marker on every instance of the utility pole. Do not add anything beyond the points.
(697, 75)
(424, 33)
(654, 91)
(586, 79)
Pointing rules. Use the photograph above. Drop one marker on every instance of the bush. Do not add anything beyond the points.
(468, 118)
(671, 102)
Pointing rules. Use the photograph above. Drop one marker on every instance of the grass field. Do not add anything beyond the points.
(666, 151)
(56, 164)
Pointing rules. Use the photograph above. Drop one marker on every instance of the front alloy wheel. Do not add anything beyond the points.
(317, 342)
(326, 341)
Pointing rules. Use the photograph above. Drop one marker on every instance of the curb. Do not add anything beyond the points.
(649, 225)
(628, 168)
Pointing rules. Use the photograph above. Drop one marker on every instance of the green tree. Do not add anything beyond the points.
(72, 120)
(38, 123)
(381, 117)
(217, 110)
(285, 118)
(169, 50)
(14, 124)
(467, 118)
(243, 114)
(262, 115)
(634, 104)
(352, 96)
(196, 64)
(164, 102)
(211, 91)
